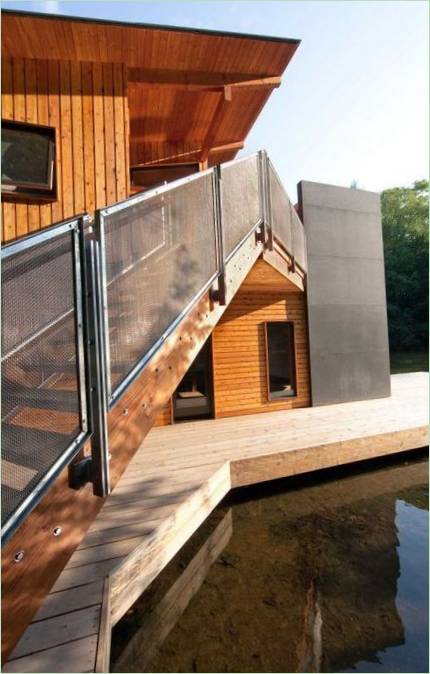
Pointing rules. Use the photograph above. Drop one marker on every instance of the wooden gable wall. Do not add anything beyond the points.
(239, 349)
(239, 353)
(87, 104)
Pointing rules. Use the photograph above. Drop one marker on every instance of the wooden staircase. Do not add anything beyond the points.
(26, 584)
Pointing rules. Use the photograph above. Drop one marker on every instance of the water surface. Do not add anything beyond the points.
(325, 573)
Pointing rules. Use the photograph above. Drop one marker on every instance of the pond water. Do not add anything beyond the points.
(326, 573)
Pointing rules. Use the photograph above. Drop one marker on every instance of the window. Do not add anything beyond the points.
(153, 176)
(193, 399)
(281, 373)
(28, 160)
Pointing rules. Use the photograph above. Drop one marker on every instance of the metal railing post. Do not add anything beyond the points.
(219, 295)
(293, 257)
(262, 234)
(267, 202)
(99, 442)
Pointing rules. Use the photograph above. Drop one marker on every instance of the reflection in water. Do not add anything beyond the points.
(326, 573)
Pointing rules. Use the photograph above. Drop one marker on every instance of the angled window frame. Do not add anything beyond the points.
(43, 191)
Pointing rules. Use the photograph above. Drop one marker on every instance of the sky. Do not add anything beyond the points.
(353, 104)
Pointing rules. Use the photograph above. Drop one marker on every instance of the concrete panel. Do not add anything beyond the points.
(348, 335)
(344, 198)
(343, 280)
(344, 377)
(361, 233)
(357, 329)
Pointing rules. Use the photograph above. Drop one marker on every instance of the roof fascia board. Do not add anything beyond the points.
(149, 26)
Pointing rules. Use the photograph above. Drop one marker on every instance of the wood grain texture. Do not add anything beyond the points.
(188, 468)
(86, 104)
(25, 585)
(173, 91)
(239, 355)
(102, 658)
(238, 346)
(157, 625)
(165, 416)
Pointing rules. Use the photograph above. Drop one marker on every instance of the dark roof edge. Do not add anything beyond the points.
(154, 26)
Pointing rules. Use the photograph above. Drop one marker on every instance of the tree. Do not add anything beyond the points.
(405, 222)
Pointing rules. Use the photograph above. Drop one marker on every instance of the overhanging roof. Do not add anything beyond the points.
(183, 73)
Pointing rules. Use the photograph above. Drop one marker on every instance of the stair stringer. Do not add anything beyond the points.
(24, 586)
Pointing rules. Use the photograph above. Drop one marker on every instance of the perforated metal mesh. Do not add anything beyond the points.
(281, 210)
(40, 400)
(160, 252)
(241, 208)
(285, 222)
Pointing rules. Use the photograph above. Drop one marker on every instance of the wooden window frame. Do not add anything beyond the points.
(151, 167)
(278, 399)
(42, 192)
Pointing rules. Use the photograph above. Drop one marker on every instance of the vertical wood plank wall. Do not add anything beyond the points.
(239, 353)
(88, 106)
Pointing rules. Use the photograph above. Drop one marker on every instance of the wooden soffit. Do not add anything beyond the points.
(193, 93)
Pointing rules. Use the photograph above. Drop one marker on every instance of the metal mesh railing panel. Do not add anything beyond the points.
(159, 252)
(240, 195)
(281, 210)
(299, 240)
(40, 385)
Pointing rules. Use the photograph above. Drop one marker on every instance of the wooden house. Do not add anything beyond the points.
(175, 288)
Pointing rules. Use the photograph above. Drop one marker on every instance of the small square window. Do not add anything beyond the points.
(28, 160)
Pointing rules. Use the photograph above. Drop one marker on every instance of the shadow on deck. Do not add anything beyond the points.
(176, 478)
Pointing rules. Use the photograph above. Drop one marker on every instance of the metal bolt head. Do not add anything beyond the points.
(18, 556)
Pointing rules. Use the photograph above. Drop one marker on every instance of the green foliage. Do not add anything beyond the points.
(405, 221)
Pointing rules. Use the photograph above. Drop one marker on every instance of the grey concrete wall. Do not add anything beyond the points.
(347, 313)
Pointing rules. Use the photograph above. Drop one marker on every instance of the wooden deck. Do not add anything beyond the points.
(179, 474)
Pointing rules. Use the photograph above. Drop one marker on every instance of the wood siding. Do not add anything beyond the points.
(87, 105)
(239, 352)
(164, 418)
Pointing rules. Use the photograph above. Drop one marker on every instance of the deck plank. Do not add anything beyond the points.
(75, 656)
(65, 601)
(178, 476)
(59, 630)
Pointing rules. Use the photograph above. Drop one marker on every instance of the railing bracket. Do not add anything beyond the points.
(218, 293)
(292, 265)
(80, 473)
(260, 235)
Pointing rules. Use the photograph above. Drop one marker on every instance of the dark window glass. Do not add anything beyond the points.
(280, 357)
(193, 397)
(153, 176)
(27, 157)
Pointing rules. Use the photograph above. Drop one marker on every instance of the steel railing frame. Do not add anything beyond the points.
(96, 397)
(260, 221)
(219, 294)
(99, 226)
(76, 228)
(266, 200)
(99, 469)
(292, 213)
(266, 235)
